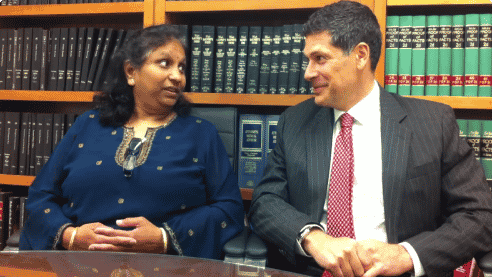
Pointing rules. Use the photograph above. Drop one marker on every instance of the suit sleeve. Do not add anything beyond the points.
(204, 230)
(271, 214)
(466, 212)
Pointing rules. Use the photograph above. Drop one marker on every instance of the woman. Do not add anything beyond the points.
(136, 163)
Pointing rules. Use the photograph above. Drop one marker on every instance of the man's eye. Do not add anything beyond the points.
(320, 59)
(182, 68)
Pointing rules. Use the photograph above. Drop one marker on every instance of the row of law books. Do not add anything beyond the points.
(46, 2)
(439, 55)
(28, 139)
(478, 134)
(257, 138)
(62, 59)
(12, 215)
(248, 59)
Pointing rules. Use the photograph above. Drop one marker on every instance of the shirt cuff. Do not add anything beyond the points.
(418, 269)
(299, 249)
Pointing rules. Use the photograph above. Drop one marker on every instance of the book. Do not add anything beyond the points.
(472, 24)
(253, 67)
(242, 59)
(62, 59)
(295, 59)
(207, 52)
(463, 128)
(3, 57)
(432, 56)
(230, 63)
(265, 59)
(457, 55)
(4, 213)
(391, 53)
(445, 33)
(25, 135)
(23, 211)
(71, 58)
(14, 214)
(251, 149)
(275, 60)
(44, 72)
(120, 38)
(90, 39)
(486, 148)
(9, 76)
(220, 59)
(96, 57)
(474, 136)
(10, 144)
(2, 137)
(32, 148)
(196, 57)
(14, 157)
(39, 144)
(37, 39)
(26, 59)
(57, 129)
(485, 54)
(419, 32)
(405, 55)
(79, 57)
(53, 58)
(271, 133)
(304, 85)
(47, 140)
(284, 62)
(104, 60)
(18, 59)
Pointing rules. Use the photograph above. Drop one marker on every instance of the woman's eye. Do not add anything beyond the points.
(164, 63)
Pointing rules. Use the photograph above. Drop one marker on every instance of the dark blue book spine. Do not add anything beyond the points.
(251, 149)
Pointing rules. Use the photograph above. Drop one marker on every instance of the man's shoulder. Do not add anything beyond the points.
(417, 105)
(305, 108)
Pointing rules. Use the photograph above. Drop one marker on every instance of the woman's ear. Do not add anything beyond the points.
(129, 73)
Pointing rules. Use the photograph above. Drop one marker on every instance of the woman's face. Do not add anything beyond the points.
(161, 78)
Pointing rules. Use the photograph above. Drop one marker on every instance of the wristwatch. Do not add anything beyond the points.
(305, 231)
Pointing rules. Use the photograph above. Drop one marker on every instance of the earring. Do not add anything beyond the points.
(131, 82)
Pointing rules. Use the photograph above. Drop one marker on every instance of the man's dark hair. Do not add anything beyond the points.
(116, 102)
(348, 23)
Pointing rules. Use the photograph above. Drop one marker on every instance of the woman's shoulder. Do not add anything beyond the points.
(198, 124)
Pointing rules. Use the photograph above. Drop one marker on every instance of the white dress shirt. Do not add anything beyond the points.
(367, 198)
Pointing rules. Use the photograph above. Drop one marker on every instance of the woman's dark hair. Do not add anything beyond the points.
(116, 102)
(348, 23)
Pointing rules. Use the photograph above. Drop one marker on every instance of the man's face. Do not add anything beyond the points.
(332, 73)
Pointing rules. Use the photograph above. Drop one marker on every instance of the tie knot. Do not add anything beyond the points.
(347, 120)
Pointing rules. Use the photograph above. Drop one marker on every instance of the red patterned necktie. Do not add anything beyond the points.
(340, 222)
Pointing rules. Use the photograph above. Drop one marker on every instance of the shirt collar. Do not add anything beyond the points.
(366, 110)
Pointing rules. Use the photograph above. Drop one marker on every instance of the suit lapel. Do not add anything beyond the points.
(318, 144)
(395, 140)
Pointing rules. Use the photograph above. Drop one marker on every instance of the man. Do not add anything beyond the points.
(419, 200)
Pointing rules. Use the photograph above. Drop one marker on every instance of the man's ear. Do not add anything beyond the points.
(362, 55)
(129, 73)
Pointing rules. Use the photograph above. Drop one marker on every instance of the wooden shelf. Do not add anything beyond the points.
(470, 103)
(73, 9)
(390, 3)
(246, 194)
(42, 95)
(246, 99)
(246, 5)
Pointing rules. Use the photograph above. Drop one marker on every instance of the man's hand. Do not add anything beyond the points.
(337, 255)
(383, 259)
(148, 237)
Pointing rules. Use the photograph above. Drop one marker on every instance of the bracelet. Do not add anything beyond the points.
(164, 238)
(72, 238)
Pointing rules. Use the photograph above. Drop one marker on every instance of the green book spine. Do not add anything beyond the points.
(266, 59)
(405, 55)
(254, 52)
(463, 127)
(445, 22)
(275, 64)
(474, 135)
(432, 56)
(486, 148)
(242, 59)
(419, 31)
(295, 59)
(283, 72)
(220, 58)
(391, 62)
(485, 54)
(472, 24)
(196, 57)
(458, 55)
(208, 51)
(230, 66)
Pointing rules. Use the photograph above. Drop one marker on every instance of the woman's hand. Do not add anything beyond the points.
(86, 236)
(148, 237)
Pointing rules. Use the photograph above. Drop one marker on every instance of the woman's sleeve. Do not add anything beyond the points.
(203, 231)
(46, 220)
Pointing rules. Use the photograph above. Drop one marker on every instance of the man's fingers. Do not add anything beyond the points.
(356, 265)
(373, 272)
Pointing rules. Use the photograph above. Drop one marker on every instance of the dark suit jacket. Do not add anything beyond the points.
(434, 190)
